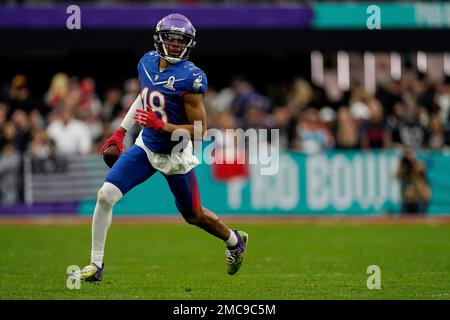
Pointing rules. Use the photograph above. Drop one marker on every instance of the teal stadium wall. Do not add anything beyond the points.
(353, 182)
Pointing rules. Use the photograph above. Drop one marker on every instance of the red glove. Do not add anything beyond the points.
(148, 119)
(115, 139)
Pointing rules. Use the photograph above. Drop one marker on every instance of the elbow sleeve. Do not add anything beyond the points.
(128, 121)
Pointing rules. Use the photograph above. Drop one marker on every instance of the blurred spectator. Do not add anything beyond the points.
(427, 98)
(347, 135)
(447, 133)
(255, 117)
(312, 134)
(436, 135)
(10, 164)
(73, 97)
(37, 120)
(415, 191)
(19, 95)
(3, 119)
(211, 106)
(220, 101)
(132, 90)
(9, 134)
(328, 117)
(95, 127)
(41, 147)
(283, 120)
(23, 130)
(360, 112)
(395, 118)
(88, 102)
(229, 157)
(111, 105)
(375, 134)
(389, 95)
(242, 90)
(58, 91)
(414, 90)
(443, 100)
(300, 95)
(71, 136)
(409, 131)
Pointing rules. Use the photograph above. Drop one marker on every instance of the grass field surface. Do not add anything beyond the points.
(178, 261)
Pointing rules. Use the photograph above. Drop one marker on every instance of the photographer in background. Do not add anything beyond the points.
(415, 191)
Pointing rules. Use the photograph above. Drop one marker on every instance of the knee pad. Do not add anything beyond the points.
(109, 194)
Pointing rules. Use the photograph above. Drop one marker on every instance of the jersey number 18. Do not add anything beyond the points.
(156, 101)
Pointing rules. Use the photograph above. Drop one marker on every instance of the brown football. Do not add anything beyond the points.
(110, 155)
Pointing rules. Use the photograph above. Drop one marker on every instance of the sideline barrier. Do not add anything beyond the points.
(353, 182)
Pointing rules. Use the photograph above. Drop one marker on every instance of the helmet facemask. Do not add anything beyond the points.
(176, 47)
(174, 38)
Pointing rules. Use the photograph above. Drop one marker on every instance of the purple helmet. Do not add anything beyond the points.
(174, 37)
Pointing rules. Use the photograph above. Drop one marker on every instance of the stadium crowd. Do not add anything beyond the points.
(72, 118)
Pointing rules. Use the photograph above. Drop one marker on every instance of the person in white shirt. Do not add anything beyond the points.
(71, 136)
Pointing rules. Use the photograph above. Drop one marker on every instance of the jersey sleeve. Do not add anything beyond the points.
(196, 82)
(139, 70)
(145, 58)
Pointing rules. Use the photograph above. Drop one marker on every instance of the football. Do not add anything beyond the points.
(110, 155)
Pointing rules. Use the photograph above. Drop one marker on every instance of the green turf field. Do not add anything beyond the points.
(182, 262)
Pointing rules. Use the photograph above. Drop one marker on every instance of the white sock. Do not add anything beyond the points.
(232, 240)
(108, 195)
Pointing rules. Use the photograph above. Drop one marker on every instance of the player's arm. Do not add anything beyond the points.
(128, 120)
(195, 111)
(126, 124)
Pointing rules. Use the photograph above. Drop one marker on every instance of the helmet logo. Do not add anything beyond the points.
(158, 26)
(169, 84)
(173, 28)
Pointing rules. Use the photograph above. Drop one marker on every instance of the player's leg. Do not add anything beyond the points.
(184, 187)
(187, 199)
(131, 169)
(236, 245)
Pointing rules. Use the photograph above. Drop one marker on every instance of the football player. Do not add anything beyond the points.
(171, 98)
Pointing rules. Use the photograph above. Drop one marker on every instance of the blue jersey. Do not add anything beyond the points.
(162, 91)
